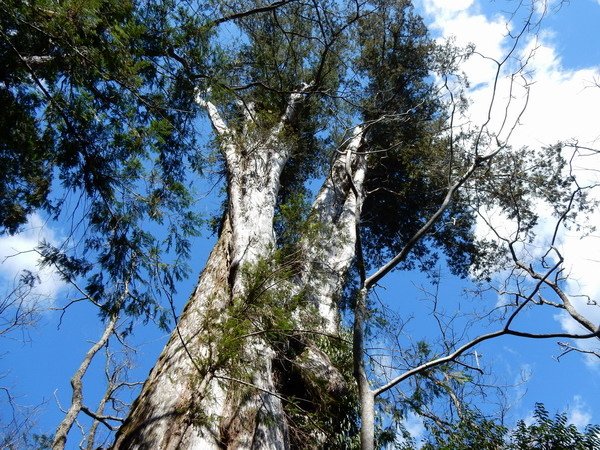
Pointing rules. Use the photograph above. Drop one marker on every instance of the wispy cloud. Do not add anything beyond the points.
(562, 107)
(17, 254)
(415, 426)
(579, 413)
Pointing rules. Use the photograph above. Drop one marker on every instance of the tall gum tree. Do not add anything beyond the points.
(301, 75)
(293, 92)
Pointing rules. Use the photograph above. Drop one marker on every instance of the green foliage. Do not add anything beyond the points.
(275, 54)
(98, 130)
(323, 412)
(373, 65)
(471, 432)
(291, 221)
(320, 400)
(545, 433)
(411, 166)
(267, 311)
(524, 184)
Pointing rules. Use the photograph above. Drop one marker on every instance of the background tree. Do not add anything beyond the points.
(98, 135)
(100, 113)
(543, 432)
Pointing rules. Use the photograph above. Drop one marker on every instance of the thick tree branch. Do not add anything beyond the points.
(250, 12)
(214, 116)
(291, 111)
(400, 256)
(225, 134)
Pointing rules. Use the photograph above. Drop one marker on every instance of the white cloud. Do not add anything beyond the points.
(569, 325)
(529, 419)
(579, 414)
(17, 254)
(416, 428)
(562, 106)
(445, 6)
(519, 383)
(542, 6)
(461, 22)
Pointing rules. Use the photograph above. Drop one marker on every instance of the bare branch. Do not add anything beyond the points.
(60, 437)
(568, 348)
(485, 337)
(240, 15)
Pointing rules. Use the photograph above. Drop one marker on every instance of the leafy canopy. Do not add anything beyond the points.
(99, 131)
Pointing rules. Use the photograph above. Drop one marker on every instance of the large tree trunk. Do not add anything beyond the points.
(201, 394)
(191, 400)
(181, 392)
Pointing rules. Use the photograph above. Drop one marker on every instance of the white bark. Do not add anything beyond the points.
(189, 400)
(178, 391)
(365, 394)
(187, 404)
(331, 252)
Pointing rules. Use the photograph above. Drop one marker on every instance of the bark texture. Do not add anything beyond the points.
(193, 397)
(180, 394)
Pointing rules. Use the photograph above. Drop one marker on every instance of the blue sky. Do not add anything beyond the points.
(564, 104)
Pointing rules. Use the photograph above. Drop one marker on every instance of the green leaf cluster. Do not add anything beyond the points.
(544, 433)
(99, 130)
(553, 433)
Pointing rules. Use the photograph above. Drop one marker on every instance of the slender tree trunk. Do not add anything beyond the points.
(365, 394)
(60, 437)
